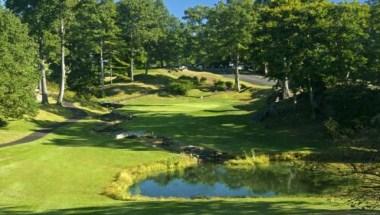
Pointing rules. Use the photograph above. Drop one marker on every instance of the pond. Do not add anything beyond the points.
(221, 181)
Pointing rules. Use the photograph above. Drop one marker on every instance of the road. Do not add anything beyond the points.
(253, 79)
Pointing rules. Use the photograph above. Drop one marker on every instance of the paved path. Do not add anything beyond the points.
(253, 79)
(78, 114)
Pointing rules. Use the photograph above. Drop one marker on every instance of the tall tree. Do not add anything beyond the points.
(40, 17)
(374, 43)
(19, 74)
(308, 44)
(138, 26)
(196, 19)
(63, 9)
(91, 40)
(231, 25)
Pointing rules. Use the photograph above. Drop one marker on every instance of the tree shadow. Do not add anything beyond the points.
(128, 89)
(158, 80)
(84, 134)
(215, 207)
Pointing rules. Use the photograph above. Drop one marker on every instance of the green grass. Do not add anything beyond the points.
(47, 115)
(66, 171)
(69, 168)
(287, 205)
(222, 121)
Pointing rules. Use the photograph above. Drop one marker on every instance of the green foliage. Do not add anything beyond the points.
(203, 80)
(19, 75)
(332, 128)
(128, 177)
(219, 85)
(194, 79)
(93, 31)
(249, 160)
(229, 85)
(180, 87)
(353, 107)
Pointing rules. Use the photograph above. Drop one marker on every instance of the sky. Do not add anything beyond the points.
(177, 7)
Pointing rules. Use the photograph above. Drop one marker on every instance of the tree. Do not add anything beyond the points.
(312, 44)
(40, 17)
(19, 74)
(374, 43)
(231, 25)
(91, 40)
(63, 10)
(196, 19)
(138, 25)
(153, 47)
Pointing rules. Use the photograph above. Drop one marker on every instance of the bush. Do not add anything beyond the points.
(353, 107)
(332, 128)
(3, 123)
(249, 160)
(119, 188)
(194, 79)
(219, 86)
(180, 87)
(229, 85)
(203, 80)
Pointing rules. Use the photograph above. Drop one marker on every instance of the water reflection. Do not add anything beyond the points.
(221, 181)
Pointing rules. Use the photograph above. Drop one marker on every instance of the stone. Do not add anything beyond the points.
(136, 134)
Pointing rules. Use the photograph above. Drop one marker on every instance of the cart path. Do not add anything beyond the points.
(77, 113)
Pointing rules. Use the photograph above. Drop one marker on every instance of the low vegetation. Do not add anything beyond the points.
(119, 188)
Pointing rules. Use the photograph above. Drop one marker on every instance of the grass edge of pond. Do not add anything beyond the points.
(119, 188)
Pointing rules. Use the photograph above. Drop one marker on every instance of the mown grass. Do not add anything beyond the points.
(47, 116)
(221, 121)
(67, 171)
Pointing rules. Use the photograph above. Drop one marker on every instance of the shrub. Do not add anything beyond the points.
(353, 107)
(203, 80)
(119, 189)
(3, 123)
(194, 79)
(229, 85)
(180, 87)
(219, 86)
(332, 128)
(249, 160)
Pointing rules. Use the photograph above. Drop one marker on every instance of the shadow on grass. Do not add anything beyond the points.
(81, 134)
(198, 207)
(159, 80)
(128, 89)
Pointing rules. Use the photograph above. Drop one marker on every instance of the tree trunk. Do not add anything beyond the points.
(101, 69)
(286, 91)
(162, 63)
(44, 90)
(266, 71)
(63, 66)
(146, 67)
(131, 75)
(237, 74)
(111, 71)
(312, 100)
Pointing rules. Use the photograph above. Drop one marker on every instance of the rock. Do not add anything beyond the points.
(136, 134)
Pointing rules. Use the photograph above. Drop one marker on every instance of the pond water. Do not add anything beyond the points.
(221, 181)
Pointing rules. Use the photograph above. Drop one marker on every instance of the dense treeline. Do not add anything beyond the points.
(307, 46)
